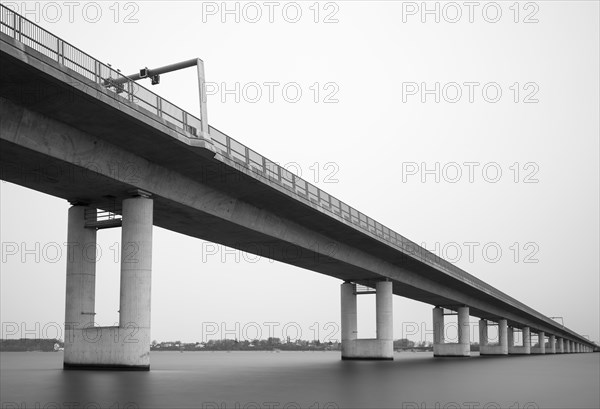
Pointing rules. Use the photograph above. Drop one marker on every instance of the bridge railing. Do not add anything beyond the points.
(32, 35)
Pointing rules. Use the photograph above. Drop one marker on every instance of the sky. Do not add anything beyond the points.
(472, 130)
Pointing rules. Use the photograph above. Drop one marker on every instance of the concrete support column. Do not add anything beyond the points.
(81, 283)
(464, 329)
(527, 340)
(503, 339)
(511, 340)
(560, 346)
(349, 320)
(381, 347)
(463, 346)
(541, 346)
(503, 336)
(438, 326)
(519, 350)
(136, 276)
(551, 345)
(567, 346)
(483, 333)
(385, 318)
(126, 346)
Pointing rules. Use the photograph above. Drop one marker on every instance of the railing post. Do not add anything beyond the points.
(97, 72)
(130, 91)
(17, 27)
(60, 51)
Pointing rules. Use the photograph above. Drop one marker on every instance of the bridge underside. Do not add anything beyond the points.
(72, 139)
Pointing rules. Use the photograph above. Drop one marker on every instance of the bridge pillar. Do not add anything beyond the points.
(463, 346)
(126, 346)
(136, 278)
(483, 333)
(525, 349)
(484, 347)
(560, 348)
(81, 283)
(567, 346)
(349, 318)
(551, 345)
(540, 348)
(382, 347)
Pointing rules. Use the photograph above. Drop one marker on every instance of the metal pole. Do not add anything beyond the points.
(202, 96)
(148, 73)
(157, 71)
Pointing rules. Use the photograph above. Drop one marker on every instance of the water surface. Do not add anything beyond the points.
(305, 379)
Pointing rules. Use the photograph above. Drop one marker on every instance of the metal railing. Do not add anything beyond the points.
(32, 35)
(35, 37)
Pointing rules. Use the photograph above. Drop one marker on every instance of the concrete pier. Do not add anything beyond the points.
(560, 346)
(126, 346)
(502, 347)
(525, 349)
(348, 319)
(136, 279)
(385, 318)
(380, 348)
(540, 348)
(551, 349)
(462, 348)
(81, 282)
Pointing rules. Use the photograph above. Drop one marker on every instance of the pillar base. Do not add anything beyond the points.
(107, 348)
(493, 350)
(519, 351)
(448, 350)
(368, 349)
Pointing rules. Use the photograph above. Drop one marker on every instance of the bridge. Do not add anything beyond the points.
(124, 157)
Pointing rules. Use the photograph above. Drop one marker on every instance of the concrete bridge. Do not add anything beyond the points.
(74, 128)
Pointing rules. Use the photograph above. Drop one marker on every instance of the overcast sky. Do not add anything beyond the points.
(513, 142)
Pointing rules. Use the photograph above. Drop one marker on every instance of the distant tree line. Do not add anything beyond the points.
(270, 344)
(26, 344)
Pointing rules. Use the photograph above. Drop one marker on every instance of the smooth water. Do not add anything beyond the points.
(305, 379)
